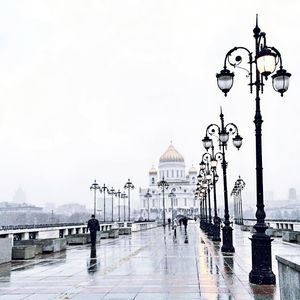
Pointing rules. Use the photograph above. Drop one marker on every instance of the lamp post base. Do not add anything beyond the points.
(261, 272)
(216, 233)
(227, 239)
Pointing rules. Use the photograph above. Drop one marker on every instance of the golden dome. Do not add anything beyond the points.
(152, 171)
(193, 170)
(171, 155)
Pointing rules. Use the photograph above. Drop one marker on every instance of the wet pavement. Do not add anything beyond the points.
(146, 265)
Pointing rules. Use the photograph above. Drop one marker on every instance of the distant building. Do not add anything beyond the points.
(18, 207)
(20, 196)
(172, 168)
(71, 208)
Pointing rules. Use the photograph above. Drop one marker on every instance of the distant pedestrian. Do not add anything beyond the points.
(175, 224)
(93, 226)
(185, 222)
(169, 222)
(180, 222)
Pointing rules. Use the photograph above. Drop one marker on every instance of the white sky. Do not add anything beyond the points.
(97, 89)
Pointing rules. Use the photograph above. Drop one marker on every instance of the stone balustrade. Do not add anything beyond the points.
(289, 276)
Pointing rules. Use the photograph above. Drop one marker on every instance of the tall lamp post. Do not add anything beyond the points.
(172, 196)
(112, 193)
(148, 196)
(95, 187)
(264, 62)
(118, 194)
(222, 133)
(124, 196)
(237, 193)
(104, 189)
(164, 186)
(129, 186)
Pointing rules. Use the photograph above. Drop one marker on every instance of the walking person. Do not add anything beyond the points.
(175, 224)
(93, 226)
(185, 223)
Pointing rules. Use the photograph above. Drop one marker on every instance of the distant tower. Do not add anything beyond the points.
(193, 175)
(292, 194)
(20, 196)
(152, 176)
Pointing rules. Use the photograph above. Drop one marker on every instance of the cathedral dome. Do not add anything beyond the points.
(152, 171)
(171, 155)
(193, 170)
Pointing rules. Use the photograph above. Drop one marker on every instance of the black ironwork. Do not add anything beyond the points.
(129, 186)
(222, 133)
(104, 189)
(148, 196)
(95, 187)
(164, 186)
(261, 272)
(118, 194)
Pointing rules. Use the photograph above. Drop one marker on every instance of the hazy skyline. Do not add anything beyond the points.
(97, 89)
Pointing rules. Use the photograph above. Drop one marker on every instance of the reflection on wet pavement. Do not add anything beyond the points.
(150, 264)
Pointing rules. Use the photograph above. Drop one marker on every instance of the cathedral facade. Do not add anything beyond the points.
(171, 168)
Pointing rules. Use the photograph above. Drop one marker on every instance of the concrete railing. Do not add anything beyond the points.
(5, 250)
(143, 226)
(289, 276)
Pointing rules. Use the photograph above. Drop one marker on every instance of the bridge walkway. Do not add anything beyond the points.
(150, 264)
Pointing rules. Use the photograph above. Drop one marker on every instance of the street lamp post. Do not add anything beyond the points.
(172, 195)
(95, 187)
(265, 61)
(112, 192)
(118, 193)
(129, 186)
(237, 193)
(164, 186)
(104, 189)
(148, 196)
(222, 133)
(124, 196)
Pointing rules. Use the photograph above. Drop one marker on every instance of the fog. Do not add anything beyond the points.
(97, 89)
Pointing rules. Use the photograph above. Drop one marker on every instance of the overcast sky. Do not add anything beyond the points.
(97, 89)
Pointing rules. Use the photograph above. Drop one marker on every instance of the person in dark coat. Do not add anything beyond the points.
(93, 226)
(185, 222)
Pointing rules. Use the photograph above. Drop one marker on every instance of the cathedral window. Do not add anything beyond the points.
(153, 203)
(177, 173)
(167, 173)
(193, 180)
(185, 204)
(153, 180)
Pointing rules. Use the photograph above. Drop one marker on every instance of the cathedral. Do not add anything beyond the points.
(171, 167)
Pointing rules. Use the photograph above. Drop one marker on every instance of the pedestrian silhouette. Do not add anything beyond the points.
(93, 226)
(185, 222)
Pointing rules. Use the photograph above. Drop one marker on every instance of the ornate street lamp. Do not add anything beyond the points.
(172, 196)
(95, 187)
(264, 63)
(128, 185)
(237, 193)
(164, 186)
(118, 194)
(222, 134)
(124, 196)
(211, 161)
(112, 193)
(104, 189)
(148, 196)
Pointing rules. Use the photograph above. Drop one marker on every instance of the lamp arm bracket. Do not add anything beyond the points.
(231, 128)
(206, 157)
(219, 156)
(212, 129)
